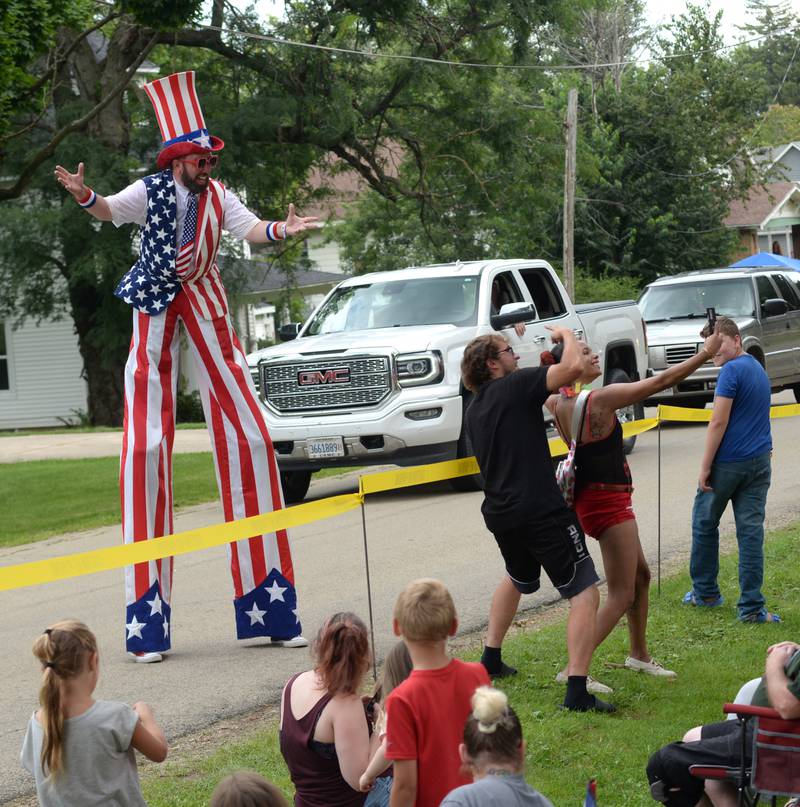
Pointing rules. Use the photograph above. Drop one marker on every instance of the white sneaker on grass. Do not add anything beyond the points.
(592, 684)
(295, 641)
(651, 667)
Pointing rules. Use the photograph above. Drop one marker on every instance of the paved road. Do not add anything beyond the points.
(427, 531)
(76, 445)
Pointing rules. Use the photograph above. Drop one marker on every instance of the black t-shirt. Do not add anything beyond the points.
(506, 426)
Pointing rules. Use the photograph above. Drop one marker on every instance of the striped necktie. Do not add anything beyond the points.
(183, 262)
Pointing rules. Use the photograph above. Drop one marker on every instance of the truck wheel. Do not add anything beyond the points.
(632, 412)
(473, 482)
(295, 485)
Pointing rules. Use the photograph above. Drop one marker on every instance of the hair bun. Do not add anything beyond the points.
(489, 707)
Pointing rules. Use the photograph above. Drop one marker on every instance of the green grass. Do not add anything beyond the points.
(711, 651)
(50, 497)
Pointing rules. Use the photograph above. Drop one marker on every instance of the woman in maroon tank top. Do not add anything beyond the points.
(324, 735)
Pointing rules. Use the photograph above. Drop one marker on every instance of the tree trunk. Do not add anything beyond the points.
(105, 385)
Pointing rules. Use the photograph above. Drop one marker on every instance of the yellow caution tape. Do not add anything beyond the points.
(103, 560)
(418, 475)
(116, 557)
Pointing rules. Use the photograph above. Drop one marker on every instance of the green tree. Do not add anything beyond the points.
(278, 108)
(667, 157)
(778, 126)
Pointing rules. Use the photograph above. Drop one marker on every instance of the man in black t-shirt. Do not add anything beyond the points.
(523, 506)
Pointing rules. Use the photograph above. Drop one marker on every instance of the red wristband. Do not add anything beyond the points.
(86, 198)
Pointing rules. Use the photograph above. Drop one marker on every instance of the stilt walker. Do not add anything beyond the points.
(182, 212)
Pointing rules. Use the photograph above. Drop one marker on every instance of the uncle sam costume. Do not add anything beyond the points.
(176, 280)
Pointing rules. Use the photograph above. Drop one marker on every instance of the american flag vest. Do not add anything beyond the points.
(153, 281)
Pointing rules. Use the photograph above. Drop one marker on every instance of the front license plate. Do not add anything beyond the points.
(325, 448)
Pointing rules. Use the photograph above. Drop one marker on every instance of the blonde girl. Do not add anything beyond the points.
(493, 751)
(396, 668)
(79, 750)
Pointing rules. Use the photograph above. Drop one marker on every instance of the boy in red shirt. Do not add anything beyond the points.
(426, 713)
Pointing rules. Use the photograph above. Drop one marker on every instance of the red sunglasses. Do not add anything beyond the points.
(211, 161)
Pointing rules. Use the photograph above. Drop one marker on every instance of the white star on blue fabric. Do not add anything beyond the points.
(275, 591)
(155, 605)
(256, 614)
(166, 628)
(135, 628)
(204, 141)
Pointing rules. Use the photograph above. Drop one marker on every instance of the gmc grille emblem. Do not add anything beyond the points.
(308, 378)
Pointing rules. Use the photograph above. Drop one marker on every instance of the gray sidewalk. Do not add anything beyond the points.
(49, 446)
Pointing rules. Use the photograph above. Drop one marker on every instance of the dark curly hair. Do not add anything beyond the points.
(474, 371)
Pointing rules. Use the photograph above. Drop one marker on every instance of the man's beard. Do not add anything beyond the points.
(193, 186)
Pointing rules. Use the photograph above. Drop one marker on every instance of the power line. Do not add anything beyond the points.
(480, 65)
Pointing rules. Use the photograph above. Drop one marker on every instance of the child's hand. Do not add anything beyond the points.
(143, 710)
(365, 783)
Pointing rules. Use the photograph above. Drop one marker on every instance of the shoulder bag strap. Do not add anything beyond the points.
(579, 415)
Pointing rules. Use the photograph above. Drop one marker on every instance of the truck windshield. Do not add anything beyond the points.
(398, 303)
(729, 297)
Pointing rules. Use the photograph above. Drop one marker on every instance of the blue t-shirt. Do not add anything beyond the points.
(748, 434)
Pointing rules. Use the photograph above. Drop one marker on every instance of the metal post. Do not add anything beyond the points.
(659, 505)
(369, 592)
(571, 132)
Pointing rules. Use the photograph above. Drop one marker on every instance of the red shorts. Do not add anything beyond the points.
(599, 509)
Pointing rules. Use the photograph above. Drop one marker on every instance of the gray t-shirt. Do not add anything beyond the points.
(499, 791)
(99, 761)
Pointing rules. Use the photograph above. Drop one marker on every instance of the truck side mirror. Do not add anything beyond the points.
(511, 314)
(774, 307)
(289, 331)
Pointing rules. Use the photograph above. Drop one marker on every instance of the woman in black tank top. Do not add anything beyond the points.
(602, 493)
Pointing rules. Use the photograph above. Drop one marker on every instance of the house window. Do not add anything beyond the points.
(3, 358)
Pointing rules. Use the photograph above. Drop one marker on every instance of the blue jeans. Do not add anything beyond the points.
(380, 793)
(745, 485)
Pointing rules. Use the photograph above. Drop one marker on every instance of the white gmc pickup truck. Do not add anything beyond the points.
(373, 376)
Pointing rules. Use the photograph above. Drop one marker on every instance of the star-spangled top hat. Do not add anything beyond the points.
(180, 118)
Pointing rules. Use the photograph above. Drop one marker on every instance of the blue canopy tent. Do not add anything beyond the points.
(767, 259)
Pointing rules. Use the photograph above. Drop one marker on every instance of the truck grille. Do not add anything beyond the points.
(368, 382)
(678, 353)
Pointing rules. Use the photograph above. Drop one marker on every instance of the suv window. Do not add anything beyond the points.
(765, 289)
(544, 292)
(788, 292)
(504, 291)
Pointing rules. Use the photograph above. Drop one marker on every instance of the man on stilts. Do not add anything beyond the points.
(182, 212)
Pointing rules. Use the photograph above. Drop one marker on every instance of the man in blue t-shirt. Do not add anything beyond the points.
(735, 468)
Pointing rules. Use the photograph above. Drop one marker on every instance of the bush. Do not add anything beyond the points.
(188, 408)
(604, 288)
(591, 289)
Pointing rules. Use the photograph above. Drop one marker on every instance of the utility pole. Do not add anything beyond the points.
(571, 136)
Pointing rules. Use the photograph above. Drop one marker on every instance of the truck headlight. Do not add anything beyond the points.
(416, 369)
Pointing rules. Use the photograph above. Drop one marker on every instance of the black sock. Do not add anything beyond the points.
(577, 695)
(492, 659)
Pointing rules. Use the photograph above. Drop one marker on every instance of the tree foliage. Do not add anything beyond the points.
(455, 162)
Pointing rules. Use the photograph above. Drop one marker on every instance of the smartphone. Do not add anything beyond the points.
(712, 319)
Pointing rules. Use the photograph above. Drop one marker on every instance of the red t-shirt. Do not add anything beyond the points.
(425, 719)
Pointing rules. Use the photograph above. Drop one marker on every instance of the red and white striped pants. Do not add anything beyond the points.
(247, 474)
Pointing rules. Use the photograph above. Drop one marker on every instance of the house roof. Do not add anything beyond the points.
(758, 205)
(260, 277)
(768, 157)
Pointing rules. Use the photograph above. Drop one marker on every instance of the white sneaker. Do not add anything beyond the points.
(146, 658)
(651, 667)
(295, 641)
(592, 684)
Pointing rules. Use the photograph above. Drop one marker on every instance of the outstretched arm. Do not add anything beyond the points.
(266, 231)
(94, 204)
(616, 396)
